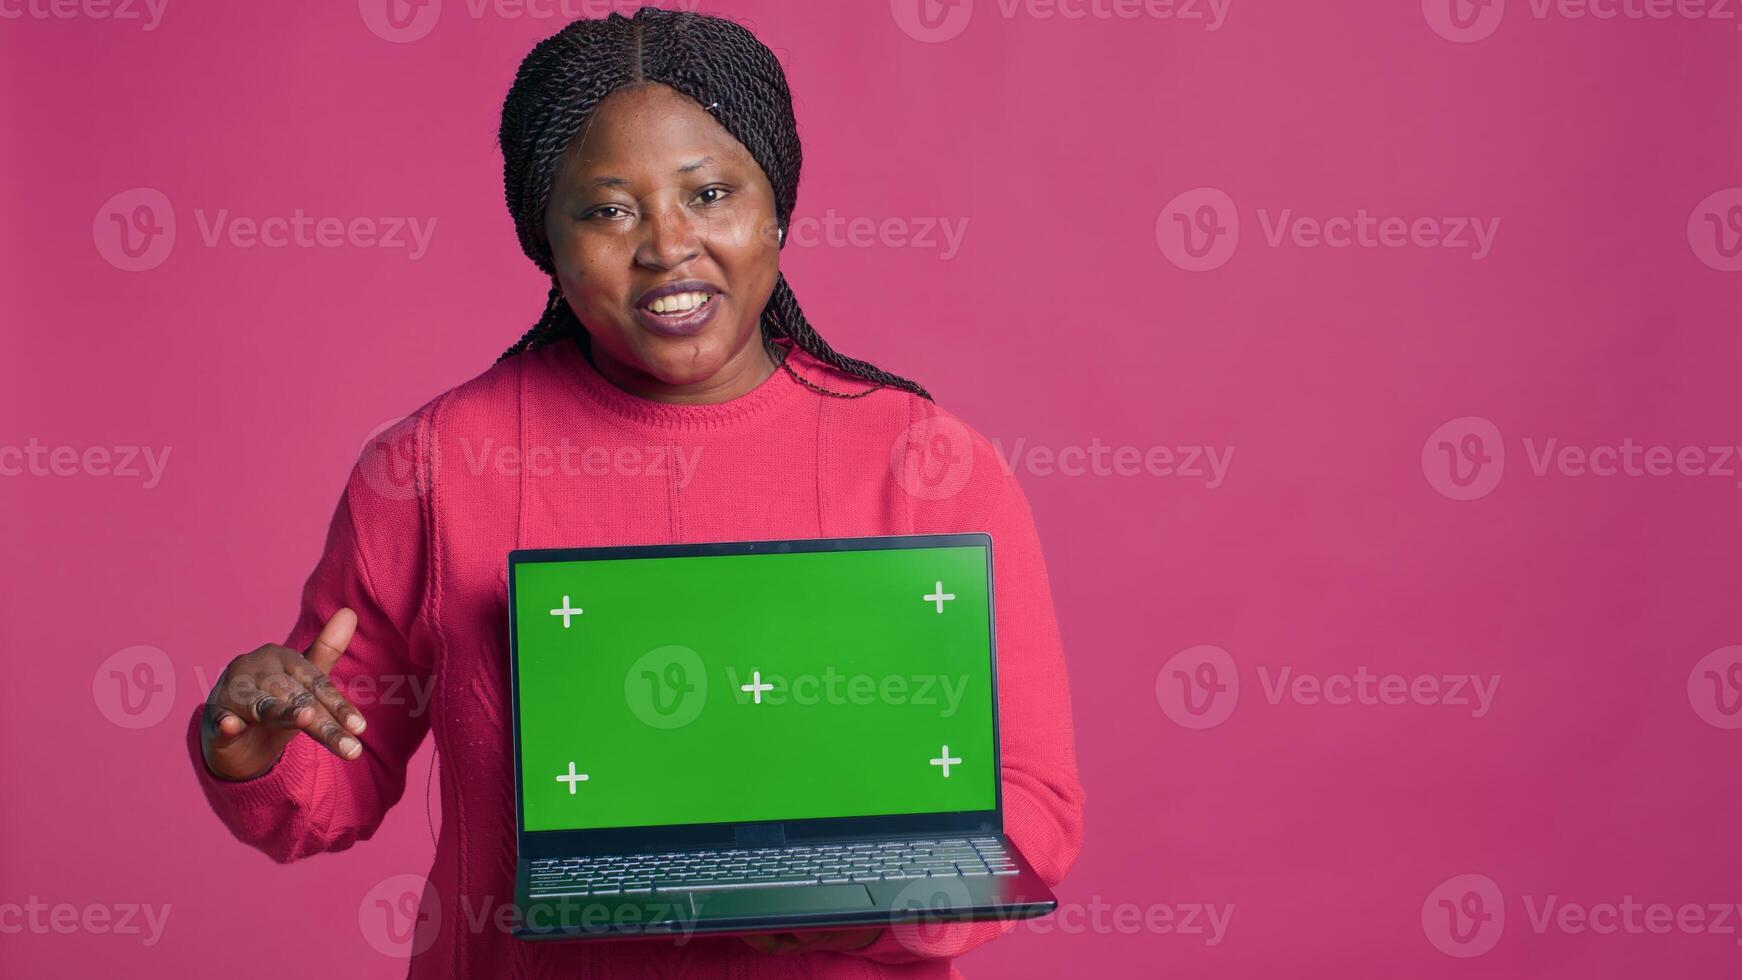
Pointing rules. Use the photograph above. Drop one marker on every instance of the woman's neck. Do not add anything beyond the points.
(741, 374)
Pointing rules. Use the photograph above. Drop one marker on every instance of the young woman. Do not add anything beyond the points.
(651, 166)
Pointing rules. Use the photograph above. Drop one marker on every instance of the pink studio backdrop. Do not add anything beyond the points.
(1371, 369)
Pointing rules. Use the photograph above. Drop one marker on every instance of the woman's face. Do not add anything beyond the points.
(655, 192)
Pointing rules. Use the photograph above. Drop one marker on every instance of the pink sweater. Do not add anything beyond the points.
(541, 451)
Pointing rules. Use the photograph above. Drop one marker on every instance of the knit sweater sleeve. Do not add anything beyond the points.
(1043, 800)
(373, 563)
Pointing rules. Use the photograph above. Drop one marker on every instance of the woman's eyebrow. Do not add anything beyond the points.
(619, 182)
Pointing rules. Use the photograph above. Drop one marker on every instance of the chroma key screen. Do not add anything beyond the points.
(781, 686)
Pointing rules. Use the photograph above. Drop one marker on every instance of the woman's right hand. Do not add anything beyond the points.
(264, 699)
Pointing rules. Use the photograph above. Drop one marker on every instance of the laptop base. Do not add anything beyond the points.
(785, 908)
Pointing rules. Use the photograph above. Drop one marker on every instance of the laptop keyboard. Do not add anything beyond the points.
(613, 874)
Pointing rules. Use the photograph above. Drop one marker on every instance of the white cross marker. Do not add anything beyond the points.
(945, 761)
(939, 596)
(572, 778)
(756, 687)
(566, 612)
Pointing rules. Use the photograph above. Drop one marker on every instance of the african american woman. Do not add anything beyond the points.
(651, 166)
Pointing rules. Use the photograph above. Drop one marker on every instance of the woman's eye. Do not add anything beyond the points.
(600, 212)
(718, 193)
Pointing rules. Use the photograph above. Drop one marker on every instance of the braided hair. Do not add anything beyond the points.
(724, 68)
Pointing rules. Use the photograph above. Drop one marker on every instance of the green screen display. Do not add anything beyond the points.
(728, 688)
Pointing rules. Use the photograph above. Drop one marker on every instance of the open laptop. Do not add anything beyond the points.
(759, 736)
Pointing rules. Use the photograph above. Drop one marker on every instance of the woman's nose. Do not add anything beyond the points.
(672, 237)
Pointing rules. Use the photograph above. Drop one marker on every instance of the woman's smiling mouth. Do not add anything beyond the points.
(679, 309)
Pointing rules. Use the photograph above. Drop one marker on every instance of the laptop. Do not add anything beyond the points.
(759, 736)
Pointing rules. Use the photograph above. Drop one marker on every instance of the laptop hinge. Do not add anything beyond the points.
(760, 834)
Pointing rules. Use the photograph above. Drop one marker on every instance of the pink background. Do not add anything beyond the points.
(1606, 310)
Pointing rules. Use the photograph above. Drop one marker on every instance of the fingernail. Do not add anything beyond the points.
(355, 724)
(350, 747)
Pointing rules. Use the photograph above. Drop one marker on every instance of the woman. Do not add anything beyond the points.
(651, 166)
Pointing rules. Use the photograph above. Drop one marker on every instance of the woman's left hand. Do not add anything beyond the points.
(823, 940)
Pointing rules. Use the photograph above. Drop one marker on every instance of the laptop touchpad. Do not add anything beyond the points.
(731, 903)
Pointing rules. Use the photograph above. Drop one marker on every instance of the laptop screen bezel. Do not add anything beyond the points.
(615, 840)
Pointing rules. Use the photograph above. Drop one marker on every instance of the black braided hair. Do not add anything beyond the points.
(715, 61)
